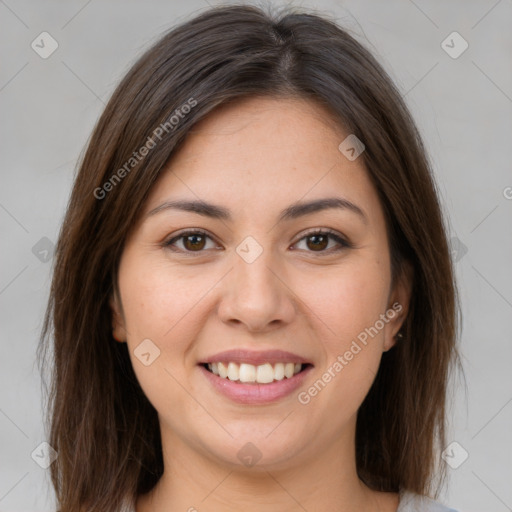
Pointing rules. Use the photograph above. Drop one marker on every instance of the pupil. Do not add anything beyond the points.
(322, 244)
(194, 243)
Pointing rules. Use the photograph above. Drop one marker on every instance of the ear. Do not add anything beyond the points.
(118, 324)
(398, 305)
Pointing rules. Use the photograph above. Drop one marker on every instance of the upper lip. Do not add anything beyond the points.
(254, 357)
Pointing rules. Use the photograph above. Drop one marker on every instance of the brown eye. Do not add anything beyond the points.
(191, 242)
(194, 242)
(317, 242)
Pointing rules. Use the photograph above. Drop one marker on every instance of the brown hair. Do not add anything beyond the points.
(105, 430)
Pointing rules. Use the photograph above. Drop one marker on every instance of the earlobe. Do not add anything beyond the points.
(118, 328)
(398, 306)
(397, 338)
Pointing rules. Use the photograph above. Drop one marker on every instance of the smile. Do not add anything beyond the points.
(256, 393)
(249, 373)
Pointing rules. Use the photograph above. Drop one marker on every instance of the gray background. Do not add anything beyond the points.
(462, 105)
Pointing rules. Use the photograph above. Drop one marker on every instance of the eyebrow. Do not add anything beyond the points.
(294, 211)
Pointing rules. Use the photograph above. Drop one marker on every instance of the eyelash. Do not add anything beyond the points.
(344, 244)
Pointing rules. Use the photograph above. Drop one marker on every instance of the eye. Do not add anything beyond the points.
(193, 241)
(318, 241)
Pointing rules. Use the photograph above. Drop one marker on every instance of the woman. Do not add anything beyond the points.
(253, 302)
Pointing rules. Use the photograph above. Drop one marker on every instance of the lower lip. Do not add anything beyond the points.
(254, 393)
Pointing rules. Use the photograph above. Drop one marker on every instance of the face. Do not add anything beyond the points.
(259, 289)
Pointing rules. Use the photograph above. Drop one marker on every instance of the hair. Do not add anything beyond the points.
(103, 427)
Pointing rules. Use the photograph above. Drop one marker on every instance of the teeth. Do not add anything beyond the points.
(262, 374)
(233, 371)
(265, 373)
(223, 370)
(279, 371)
(247, 373)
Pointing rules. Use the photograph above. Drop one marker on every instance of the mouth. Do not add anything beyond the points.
(252, 378)
(246, 373)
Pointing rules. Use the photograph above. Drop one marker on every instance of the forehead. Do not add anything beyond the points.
(260, 151)
(260, 130)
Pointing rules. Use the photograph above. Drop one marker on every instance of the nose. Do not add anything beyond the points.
(256, 295)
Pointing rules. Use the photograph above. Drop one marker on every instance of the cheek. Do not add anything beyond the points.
(163, 308)
(158, 304)
(347, 306)
(350, 300)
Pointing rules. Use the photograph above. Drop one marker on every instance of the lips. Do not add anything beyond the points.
(240, 356)
(251, 377)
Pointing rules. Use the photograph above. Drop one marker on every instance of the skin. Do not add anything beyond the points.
(256, 157)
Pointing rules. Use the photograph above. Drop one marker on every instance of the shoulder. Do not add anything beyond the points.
(411, 502)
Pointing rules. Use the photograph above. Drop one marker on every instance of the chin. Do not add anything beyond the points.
(253, 452)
